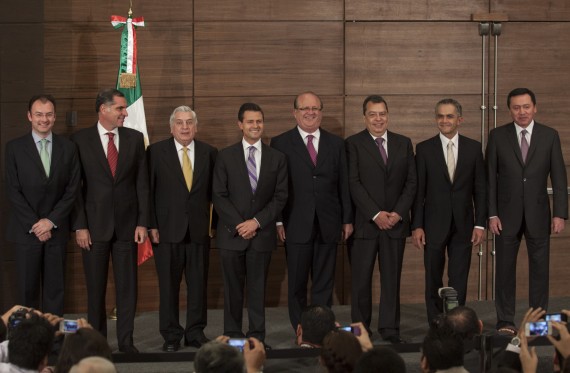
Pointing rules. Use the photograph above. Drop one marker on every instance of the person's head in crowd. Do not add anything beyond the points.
(316, 322)
(380, 360)
(3, 331)
(340, 351)
(218, 357)
(30, 343)
(442, 349)
(464, 321)
(93, 364)
(86, 342)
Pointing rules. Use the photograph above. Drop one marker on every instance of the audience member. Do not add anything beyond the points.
(316, 321)
(219, 357)
(94, 364)
(465, 323)
(86, 342)
(442, 351)
(380, 360)
(340, 351)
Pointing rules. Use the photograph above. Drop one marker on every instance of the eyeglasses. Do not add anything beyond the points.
(306, 108)
(42, 115)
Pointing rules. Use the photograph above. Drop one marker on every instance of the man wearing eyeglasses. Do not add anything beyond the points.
(382, 176)
(42, 180)
(318, 212)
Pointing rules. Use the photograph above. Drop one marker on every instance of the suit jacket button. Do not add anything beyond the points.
(524, 179)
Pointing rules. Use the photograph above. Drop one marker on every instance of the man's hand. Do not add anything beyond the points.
(419, 238)
(477, 236)
(383, 220)
(247, 229)
(495, 225)
(531, 315)
(140, 234)
(557, 225)
(254, 356)
(8, 313)
(44, 237)
(347, 230)
(154, 236)
(42, 227)
(363, 338)
(562, 345)
(528, 357)
(281, 233)
(83, 239)
(394, 218)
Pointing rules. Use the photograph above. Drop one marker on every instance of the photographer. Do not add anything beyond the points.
(218, 356)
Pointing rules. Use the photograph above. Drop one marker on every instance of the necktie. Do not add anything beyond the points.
(112, 153)
(44, 155)
(380, 142)
(187, 168)
(251, 168)
(311, 149)
(524, 145)
(450, 160)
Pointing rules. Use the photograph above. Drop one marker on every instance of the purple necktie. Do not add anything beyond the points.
(380, 142)
(524, 145)
(311, 149)
(252, 168)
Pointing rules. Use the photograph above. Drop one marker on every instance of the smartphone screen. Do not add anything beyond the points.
(351, 329)
(538, 328)
(555, 317)
(238, 343)
(68, 326)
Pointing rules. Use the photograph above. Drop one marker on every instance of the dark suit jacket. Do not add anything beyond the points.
(377, 187)
(106, 205)
(34, 196)
(438, 200)
(518, 190)
(322, 190)
(235, 202)
(174, 210)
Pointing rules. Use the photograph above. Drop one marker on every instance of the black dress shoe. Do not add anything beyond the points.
(198, 342)
(130, 349)
(171, 346)
(394, 339)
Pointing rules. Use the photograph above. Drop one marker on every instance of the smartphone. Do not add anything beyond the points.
(352, 329)
(68, 326)
(556, 317)
(538, 328)
(238, 343)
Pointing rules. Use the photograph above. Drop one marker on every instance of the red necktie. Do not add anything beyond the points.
(311, 149)
(112, 153)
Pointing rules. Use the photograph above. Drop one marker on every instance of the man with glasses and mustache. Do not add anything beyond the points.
(318, 213)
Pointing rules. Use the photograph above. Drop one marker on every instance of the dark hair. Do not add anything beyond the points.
(340, 351)
(375, 99)
(84, 343)
(30, 342)
(249, 106)
(107, 96)
(380, 359)
(217, 357)
(296, 105)
(316, 321)
(43, 99)
(520, 92)
(463, 321)
(442, 348)
(450, 101)
(3, 330)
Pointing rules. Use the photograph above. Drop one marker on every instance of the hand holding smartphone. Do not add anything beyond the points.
(68, 326)
(538, 329)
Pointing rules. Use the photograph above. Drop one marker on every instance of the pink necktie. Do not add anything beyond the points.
(380, 142)
(311, 149)
(112, 153)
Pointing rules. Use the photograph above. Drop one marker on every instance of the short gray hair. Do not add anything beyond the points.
(217, 357)
(184, 109)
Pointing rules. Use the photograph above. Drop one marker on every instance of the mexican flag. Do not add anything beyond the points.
(128, 82)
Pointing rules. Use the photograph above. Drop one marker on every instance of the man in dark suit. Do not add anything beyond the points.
(181, 190)
(42, 181)
(382, 177)
(451, 182)
(318, 212)
(112, 212)
(249, 192)
(520, 156)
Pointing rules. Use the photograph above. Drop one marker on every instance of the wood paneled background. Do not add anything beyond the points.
(216, 55)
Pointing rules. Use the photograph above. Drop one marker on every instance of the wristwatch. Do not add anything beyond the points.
(516, 341)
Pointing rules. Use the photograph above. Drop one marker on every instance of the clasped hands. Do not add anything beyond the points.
(42, 229)
(247, 229)
(387, 220)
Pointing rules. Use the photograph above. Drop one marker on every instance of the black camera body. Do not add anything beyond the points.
(449, 297)
(16, 318)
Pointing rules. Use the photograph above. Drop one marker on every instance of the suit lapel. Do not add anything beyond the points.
(97, 149)
(437, 149)
(394, 148)
(533, 141)
(172, 160)
(31, 148)
(200, 156)
(370, 146)
(239, 156)
(298, 145)
(264, 167)
(512, 137)
(56, 154)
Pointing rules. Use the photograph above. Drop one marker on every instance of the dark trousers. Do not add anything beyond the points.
(41, 266)
(172, 260)
(390, 254)
(507, 248)
(316, 259)
(459, 254)
(96, 266)
(244, 268)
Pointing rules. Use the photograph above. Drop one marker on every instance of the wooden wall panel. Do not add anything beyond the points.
(413, 58)
(410, 10)
(531, 10)
(268, 10)
(268, 58)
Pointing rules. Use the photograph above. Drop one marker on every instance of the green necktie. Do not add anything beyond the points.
(44, 155)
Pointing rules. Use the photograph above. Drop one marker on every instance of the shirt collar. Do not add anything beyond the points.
(304, 134)
(445, 140)
(179, 146)
(37, 138)
(246, 145)
(529, 128)
(384, 136)
(102, 131)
